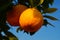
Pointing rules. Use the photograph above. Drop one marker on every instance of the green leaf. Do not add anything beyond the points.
(46, 23)
(5, 38)
(49, 10)
(45, 4)
(38, 2)
(41, 1)
(51, 2)
(50, 17)
(4, 7)
(31, 3)
(23, 2)
(1, 37)
(26, 32)
(10, 35)
(32, 33)
(51, 24)
(19, 29)
(13, 38)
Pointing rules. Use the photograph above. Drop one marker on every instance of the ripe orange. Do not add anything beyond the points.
(31, 20)
(13, 15)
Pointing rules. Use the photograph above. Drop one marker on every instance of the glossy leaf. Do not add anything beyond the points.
(41, 1)
(49, 10)
(50, 17)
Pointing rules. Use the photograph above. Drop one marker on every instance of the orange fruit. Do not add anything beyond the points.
(31, 20)
(13, 15)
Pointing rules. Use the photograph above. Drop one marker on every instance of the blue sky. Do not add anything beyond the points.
(45, 33)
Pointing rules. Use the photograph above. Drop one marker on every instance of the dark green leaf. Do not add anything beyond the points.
(51, 1)
(1, 37)
(31, 3)
(4, 27)
(39, 8)
(45, 4)
(49, 10)
(46, 23)
(51, 24)
(3, 2)
(5, 38)
(26, 32)
(32, 33)
(10, 35)
(4, 7)
(19, 29)
(23, 2)
(50, 17)
(41, 1)
(38, 2)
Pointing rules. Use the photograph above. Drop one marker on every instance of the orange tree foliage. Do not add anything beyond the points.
(6, 5)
